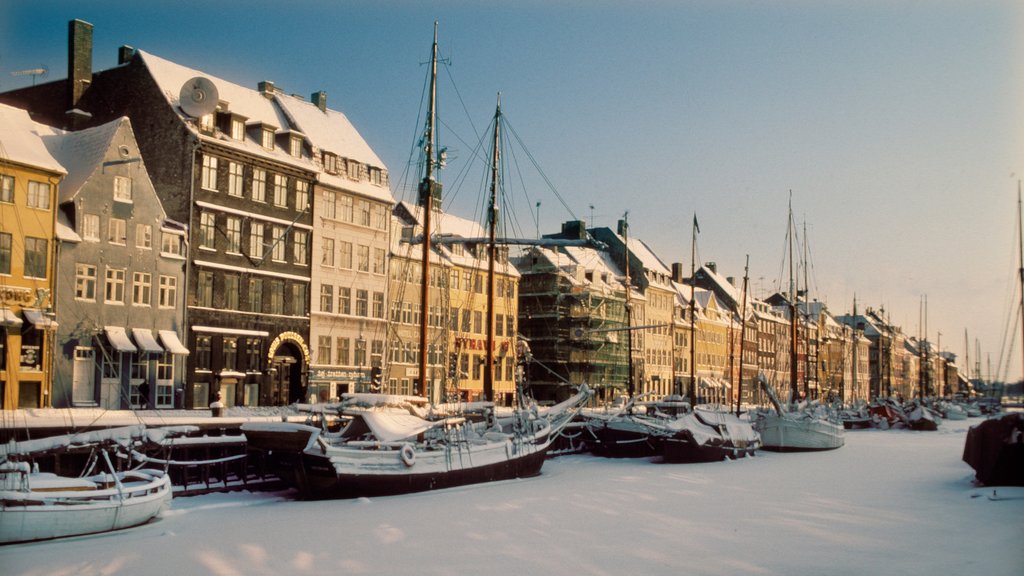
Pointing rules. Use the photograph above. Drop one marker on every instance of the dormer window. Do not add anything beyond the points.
(375, 176)
(295, 146)
(330, 163)
(206, 123)
(267, 138)
(353, 169)
(237, 129)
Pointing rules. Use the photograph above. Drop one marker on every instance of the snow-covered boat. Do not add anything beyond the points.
(41, 505)
(787, 431)
(387, 448)
(921, 417)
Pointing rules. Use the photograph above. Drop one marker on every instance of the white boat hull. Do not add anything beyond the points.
(797, 434)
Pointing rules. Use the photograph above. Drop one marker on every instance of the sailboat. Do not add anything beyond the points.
(784, 430)
(381, 444)
(38, 505)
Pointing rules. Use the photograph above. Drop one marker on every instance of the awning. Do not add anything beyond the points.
(9, 319)
(39, 319)
(119, 339)
(145, 340)
(171, 342)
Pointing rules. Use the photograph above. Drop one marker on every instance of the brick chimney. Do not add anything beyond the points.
(574, 230)
(79, 60)
(677, 272)
(319, 98)
(125, 54)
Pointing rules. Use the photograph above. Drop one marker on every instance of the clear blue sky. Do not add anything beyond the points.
(897, 125)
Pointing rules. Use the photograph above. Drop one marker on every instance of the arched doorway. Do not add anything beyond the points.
(288, 359)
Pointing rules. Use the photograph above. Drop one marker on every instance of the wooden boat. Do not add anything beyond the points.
(785, 431)
(995, 449)
(40, 505)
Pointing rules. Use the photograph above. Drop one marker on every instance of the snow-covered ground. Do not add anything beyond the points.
(889, 502)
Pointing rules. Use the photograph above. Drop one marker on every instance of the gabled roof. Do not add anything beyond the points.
(722, 284)
(20, 141)
(81, 153)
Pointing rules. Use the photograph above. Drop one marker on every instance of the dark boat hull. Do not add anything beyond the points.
(682, 449)
(614, 442)
(995, 449)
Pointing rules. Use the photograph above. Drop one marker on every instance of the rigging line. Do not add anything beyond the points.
(536, 165)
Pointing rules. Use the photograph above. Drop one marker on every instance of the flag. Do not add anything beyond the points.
(695, 225)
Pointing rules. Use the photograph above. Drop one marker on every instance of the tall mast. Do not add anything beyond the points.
(429, 187)
(856, 345)
(492, 255)
(794, 385)
(1020, 238)
(743, 333)
(807, 318)
(630, 385)
(692, 392)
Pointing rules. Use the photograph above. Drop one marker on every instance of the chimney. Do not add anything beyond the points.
(711, 266)
(677, 272)
(125, 54)
(574, 230)
(319, 98)
(266, 88)
(731, 280)
(79, 60)
(621, 228)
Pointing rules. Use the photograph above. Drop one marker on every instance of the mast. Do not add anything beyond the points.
(793, 383)
(630, 386)
(429, 187)
(1020, 239)
(692, 392)
(492, 255)
(806, 316)
(743, 333)
(856, 345)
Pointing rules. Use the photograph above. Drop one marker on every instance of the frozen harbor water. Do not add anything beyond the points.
(889, 502)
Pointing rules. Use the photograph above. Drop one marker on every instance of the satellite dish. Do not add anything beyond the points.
(198, 97)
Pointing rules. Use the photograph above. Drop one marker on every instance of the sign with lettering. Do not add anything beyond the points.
(293, 337)
(16, 295)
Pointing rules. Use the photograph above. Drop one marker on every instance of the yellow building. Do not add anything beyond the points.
(712, 348)
(29, 177)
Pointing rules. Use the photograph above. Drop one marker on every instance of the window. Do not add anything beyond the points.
(142, 289)
(259, 185)
(267, 138)
(256, 295)
(168, 291)
(346, 208)
(235, 179)
(364, 258)
(375, 176)
(115, 286)
(237, 129)
(85, 282)
(5, 253)
(360, 356)
(209, 173)
(207, 229)
(253, 353)
(378, 305)
(38, 195)
(143, 236)
(295, 146)
(343, 351)
(204, 349)
(353, 169)
(330, 163)
(277, 254)
(280, 190)
(91, 227)
(378, 260)
(301, 195)
(362, 301)
(380, 217)
(204, 290)
(165, 380)
(300, 249)
(364, 213)
(230, 353)
(6, 188)
(330, 205)
(276, 297)
(478, 322)
(35, 257)
(345, 255)
(206, 122)
(298, 299)
(323, 351)
(256, 247)
(233, 234)
(327, 252)
(170, 244)
(326, 298)
(344, 300)
(117, 231)
(231, 292)
(122, 189)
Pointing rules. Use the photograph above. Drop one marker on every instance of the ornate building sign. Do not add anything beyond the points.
(289, 337)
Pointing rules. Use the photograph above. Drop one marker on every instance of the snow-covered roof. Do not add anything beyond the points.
(20, 141)
(723, 284)
(81, 153)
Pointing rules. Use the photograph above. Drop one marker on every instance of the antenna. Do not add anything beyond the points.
(198, 97)
(40, 72)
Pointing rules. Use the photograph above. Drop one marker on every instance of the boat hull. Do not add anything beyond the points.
(783, 434)
(621, 438)
(995, 449)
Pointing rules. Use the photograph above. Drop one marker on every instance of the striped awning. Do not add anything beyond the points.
(119, 339)
(144, 338)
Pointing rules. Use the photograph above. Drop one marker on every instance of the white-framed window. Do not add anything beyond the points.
(298, 299)
(375, 176)
(170, 244)
(380, 217)
(233, 235)
(38, 195)
(344, 300)
(117, 231)
(256, 295)
(91, 227)
(6, 188)
(343, 351)
(256, 248)
(378, 305)
(330, 204)
(168, 291)
(378, 260)
(278, 253)
(364, 213)
(300, 247)
(165, 380)
(122, 189)
(85, 282)
(295, 146)
(362, 303)
(35, 257)
(345, 255)
(327, 252)
(353, 169)
(235, 179)
(347, 203)
(6, 253)
(323, 350)
(259, 185)
(330, 163)
(267, 138)
(209, 180)
(142, 289)
(326, 298)
(144, 236)
(237, 129)
(206, 122)
(204, 291)
(231, 292)
(301, 195)
(276, 297)
(207, 229)
(280, 190)
(363, 253)
(114, 286)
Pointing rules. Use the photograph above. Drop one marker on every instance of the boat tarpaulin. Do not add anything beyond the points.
(395, 426)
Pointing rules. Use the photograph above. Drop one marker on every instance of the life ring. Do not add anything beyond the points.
(408, 455)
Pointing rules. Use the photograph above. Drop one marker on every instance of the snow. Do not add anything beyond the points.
(889, 502)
